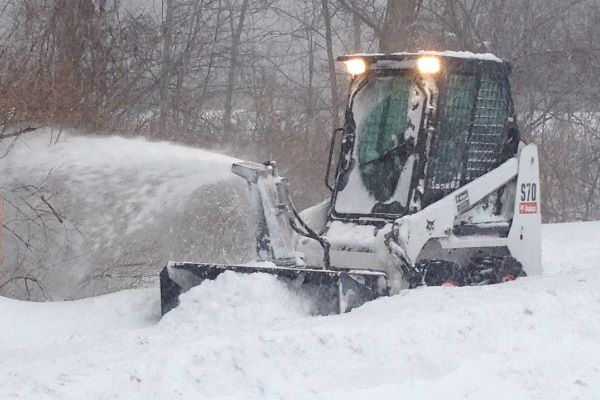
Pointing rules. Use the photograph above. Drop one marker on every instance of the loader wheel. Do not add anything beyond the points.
(493, 269)
(441, 272)
(510, 269)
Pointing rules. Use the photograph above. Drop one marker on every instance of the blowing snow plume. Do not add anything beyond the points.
(89, 215)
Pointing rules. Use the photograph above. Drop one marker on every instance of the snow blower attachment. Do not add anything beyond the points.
(432, 186)
(331, 290)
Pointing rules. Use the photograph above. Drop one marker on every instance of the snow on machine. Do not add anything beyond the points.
(430, 185)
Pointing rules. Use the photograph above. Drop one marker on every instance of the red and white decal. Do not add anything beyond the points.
(528, 207)
(528, 204)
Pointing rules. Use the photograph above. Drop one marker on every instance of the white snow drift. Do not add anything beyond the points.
(245, 337)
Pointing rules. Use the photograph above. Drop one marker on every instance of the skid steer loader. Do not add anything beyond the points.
(430, 185)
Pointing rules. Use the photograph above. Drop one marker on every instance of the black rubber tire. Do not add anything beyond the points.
(479, 271)
(493, 269)
(438, 272)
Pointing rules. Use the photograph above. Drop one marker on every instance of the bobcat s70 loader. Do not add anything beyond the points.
(430, 185)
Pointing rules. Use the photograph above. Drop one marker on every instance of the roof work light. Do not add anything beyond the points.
(355, 66)
(428, 65)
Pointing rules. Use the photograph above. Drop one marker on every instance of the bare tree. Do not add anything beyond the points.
(397, 33)
(166, 62)
(331, 63)
(233, 62)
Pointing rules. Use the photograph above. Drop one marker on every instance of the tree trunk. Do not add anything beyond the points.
(356, 33)
(163, 90)
(332, 77)
(67, 82)
(397, 34)
(310, 98)
(232, 66)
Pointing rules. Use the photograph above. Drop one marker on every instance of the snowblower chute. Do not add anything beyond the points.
(432, 187)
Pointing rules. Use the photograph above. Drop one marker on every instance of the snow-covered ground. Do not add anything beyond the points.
(245, 337)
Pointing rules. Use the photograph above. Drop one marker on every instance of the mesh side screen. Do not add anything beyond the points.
(446, 166)
(470, 141)
(488, 134)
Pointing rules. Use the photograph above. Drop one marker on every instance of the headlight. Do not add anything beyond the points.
(355, 66)
(428, 65)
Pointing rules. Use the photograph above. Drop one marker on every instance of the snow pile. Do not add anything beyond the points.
(238, 299)
(534, 338)
(581, 250)
(36, 324)
(121, 208)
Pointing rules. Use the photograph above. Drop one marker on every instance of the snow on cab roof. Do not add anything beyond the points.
(448, 53)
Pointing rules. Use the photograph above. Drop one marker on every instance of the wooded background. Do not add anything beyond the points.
(257, 78)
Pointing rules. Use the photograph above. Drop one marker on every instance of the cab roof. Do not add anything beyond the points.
(402, 56)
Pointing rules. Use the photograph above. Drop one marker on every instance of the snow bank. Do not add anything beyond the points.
(35, 324)
(238, 299)
(579, 250)
(534, 338)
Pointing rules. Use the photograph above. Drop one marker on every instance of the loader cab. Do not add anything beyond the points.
(417, 127)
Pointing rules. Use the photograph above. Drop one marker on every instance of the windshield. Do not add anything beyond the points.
(387, 113)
